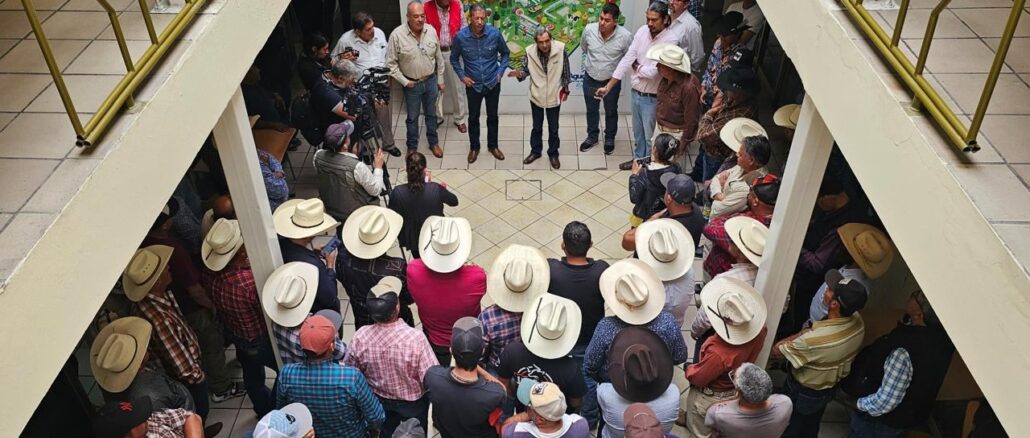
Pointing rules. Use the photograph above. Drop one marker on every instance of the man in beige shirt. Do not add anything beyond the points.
(415, 61)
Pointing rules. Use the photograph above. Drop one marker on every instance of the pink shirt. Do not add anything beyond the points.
(646, 77)
(442, 299)
(393, 357)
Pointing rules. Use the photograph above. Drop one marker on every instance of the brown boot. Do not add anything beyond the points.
(473, 155)
(436, 150)
(496, 152)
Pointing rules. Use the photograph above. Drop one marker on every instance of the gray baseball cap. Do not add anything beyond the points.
(679, 186)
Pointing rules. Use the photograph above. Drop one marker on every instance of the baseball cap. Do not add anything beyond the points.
(467, 338)
(292, 421)
(851, 293)
(641, 422)
(410, 428)
(382, 298)
(117, 418)
(544, 397)
(317, 335)
(767, 188)
(335, 133)
(333, 317)
(679, 186)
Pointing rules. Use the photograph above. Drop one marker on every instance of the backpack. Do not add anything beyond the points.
(302, 117)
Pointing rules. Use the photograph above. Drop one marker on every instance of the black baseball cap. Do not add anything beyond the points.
(467, 338)
(382, 299)
(851, 293)
(117, 418)
(679, 187)
(741, 79)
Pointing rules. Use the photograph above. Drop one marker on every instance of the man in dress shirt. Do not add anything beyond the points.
(604, 44)
(415, 60)
(367, 44)
(645, 77)
(447, 17)
(689, 30)
(479, 56)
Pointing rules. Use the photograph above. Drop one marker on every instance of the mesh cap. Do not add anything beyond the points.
(467, 338)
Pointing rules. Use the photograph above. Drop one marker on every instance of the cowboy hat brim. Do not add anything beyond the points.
(282, 219)
(735, 228)
(637, 392)
(290, 317)
(656, 292)
(215, 261)
(727, 131)
(733, 335)
(654, 54)
(872, 269)
(551, 348)
(444, 263)
(352, 233)
(684, 258)
(787, 116)
(498, 290)
(136, 292)
(137, 328)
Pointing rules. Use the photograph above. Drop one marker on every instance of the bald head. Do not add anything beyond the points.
(416, 17)
(222, 207)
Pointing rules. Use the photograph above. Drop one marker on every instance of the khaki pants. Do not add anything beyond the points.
(697, 404)
(659, 130)
(454, 90)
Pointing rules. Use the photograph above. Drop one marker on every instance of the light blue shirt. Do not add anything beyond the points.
(485, 57)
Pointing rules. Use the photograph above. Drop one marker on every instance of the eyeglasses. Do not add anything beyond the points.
(725, 320)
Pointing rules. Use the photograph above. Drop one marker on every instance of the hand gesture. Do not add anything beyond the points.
(636, 167)
(330, 259)
(515, 74)
(379, 159)
(468, 81)
(348, 56)
(411, 84)
(601, 92)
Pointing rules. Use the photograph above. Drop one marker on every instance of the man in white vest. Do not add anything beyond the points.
(547, 67)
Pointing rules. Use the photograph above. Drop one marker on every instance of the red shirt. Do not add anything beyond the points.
(442, 299)
(235, 295)
(718, 358)
(720, 260)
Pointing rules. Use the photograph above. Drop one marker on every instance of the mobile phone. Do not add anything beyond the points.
(330, 246)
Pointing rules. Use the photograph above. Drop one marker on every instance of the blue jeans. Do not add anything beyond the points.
(590, 410)
(421, 97)
(536, 142)
(865, 426)
(643, 123)
(475, 101)
(254, 356)
(399, 410)
(809, 405)
(611, 109)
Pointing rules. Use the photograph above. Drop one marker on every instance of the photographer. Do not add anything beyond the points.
(365, 46)
(331, 97)
(345, 183)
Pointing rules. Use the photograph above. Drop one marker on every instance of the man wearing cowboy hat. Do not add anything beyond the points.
(298, 221)
(871, 253)
(679, 205)
(667, 247)
(737, 314)
(729, 189)
(393, 356)
(286, 298)
(641, 372)
(545, 414)
(235, 295)
(138, 419)
(727, 28)
(761, 201)
(362, 261)
(787, 117)
(549, 331)
(546, 65)
(679, 94)
(737, 88)
(519, 275)
(444, 286)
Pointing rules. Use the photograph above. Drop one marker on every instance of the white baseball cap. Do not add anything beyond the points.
(292, 421)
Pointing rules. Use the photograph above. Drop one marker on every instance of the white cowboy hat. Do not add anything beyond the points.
(736, 130)
(221, 244)
(749, 235)
(666, 246)
(300, 218)
(869, 247)
(118, 351)
(370, 231)
(551, 325)
(670, 55)
(289, 293)
(787, 116)
(145, 267)
(445, 243)
(735, 309)
(633, 291)
(518, 275)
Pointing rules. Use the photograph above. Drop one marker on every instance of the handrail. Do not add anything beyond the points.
(965, 138)
(88, 134)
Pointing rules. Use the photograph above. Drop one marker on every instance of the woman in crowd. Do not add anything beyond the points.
(314, 60)
(645, 185)
(418, 199)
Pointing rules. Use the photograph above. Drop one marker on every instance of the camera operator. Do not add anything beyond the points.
(345, 183)
(330, 97)
(365, 46)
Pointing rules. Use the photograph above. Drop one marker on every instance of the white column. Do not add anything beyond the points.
(799, 188)
(235, 144)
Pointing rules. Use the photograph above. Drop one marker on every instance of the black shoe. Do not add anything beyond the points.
(587, 144)
(212, 430)
(609, 147)
(626, 166)
(392, 150)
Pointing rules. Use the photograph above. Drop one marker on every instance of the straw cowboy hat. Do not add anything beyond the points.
(735, 309)
(551, 325)
(370, 231)
(870, 248)
(666, 246)
(289, 293)
(445, 243)
(300, 218)
(518, 275)
(633, 291)
(221, 244)
(145, 267)
(787, 116)
(640, 365)
(118, 351)
(736, 130)
(749, 235)
(670, 55)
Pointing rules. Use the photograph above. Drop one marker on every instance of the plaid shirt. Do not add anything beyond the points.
(393, 357)
(176, 344)
(341, 403)
(897, 375)
(167, 423)
(235, 295)
(288, 341)
(500, 327)
(720, 260)
(595, 359)
(712, 122)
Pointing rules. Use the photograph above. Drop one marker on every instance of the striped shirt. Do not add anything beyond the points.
(176, 344)
(500, 328)
(897, 375)
(393, 357)
(822, 356)
(341, 403)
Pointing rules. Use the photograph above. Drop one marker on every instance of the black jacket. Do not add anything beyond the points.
(646, 190)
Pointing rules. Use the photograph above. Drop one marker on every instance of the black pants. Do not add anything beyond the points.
(809, 406)
(200, 400)
(397, 411)
(611, 109)
(475, 101)
(443, 354)
(536, 142)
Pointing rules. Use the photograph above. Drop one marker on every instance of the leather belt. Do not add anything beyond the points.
(419, 80)
(720, 394)
(651, 95)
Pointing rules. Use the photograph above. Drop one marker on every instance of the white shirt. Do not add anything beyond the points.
(370, 54)
(613, 406)
(601, 56)
(735, 191)
(645, 78)
(688, 30)
(368, 179)
(753, 17)
(745, 272)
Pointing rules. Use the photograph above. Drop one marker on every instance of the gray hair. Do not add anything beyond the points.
(540, 30)
(476, 7)
(345, 69)
(753, 383)
(660, 6)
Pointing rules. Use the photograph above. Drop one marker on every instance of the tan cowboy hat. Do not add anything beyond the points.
(633, 291)
(870, 248)
(118, 351)
(551, 325)
(749, 235)
(370, 231)
(289, 293)
(518, 275)
(666, 246)
(787, 116)
(221, 244)
(445, 243)
(670, 55)
(145, 267)
(735, 309)
(736, 130)
(300, 218)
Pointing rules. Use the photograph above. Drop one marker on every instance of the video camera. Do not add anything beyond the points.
(375, 83)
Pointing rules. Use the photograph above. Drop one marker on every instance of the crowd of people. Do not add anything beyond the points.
(528, 346)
